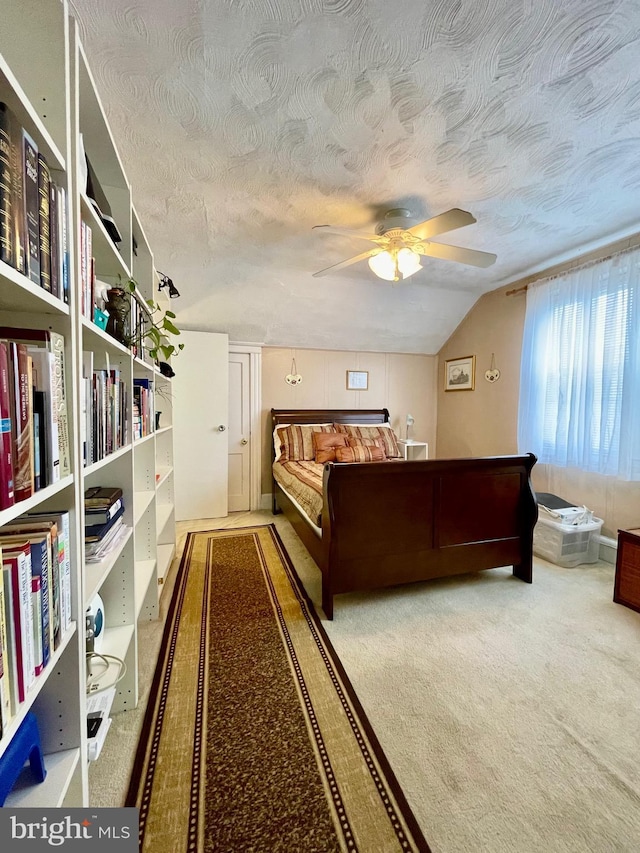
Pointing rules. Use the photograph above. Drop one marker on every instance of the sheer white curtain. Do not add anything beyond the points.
(580, 371)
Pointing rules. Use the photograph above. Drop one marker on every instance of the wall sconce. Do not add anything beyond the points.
(165, 281)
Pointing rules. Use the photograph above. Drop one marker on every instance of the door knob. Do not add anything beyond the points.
(244, 441)
(221, 428)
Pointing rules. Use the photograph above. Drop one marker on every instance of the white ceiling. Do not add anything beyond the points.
(243, 123)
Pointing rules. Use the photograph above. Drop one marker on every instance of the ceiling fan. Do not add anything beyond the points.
(399, 244)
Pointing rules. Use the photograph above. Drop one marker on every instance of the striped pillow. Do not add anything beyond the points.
(385, 433)
(359, 453)
(366, 442)
(296, 441)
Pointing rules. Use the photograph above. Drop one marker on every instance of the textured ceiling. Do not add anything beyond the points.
(243, 123)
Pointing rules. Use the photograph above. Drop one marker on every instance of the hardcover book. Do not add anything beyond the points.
(18, 560)
(95, 534)
(6, 227)
(54, 343)
(44, 380)
(11, 654)
(6, 442)
(54, 239)
(44, 189)
(61, 550)
(101, 496)
(95, 516)
(6, 710)
(18, 227)
(22, 449)
(31, 202)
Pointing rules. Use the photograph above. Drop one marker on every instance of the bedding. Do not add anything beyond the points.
(360, 453)
(325, 445)
(303, 481)
(294, 442)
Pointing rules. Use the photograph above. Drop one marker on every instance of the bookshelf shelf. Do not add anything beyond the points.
(47, 84)
(162, 475)
(51, 793)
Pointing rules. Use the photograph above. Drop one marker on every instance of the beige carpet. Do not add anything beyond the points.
(509, 713)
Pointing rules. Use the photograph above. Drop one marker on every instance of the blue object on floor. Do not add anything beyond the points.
(25, 745)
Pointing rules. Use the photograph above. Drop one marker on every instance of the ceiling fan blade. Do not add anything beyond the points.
(346, 263)
(448, 221)
(472, 257)
(347, 232)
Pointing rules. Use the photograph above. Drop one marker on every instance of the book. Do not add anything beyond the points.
(54, 342)
(98, 532)
(101, 496)
(6, 441)
(31, 203)
(60, 519)
(18, 227)
(44, 527)
(41, 568)
(37, 482)
(63, 245)
(44, 187)
(95, 516)
(36, 616)
(6, 229)
(11, 655)
(18, 560)
(6, 708)
(22, 421)
(53, 239)
(44, 380)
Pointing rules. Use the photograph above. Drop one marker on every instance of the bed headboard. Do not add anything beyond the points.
(321, 416)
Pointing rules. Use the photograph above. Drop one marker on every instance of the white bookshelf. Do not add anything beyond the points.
(46, 80)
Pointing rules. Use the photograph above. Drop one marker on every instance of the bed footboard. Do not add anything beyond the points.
(395, 523)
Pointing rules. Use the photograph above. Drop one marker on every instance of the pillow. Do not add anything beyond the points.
(295, 441)
(366, 442)
(359, 453)
(381, 431)
(325, 444)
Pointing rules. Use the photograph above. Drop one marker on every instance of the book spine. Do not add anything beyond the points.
(56, 341)
(83, 269)
(44, 222)
(17, 197)
(5, 664)
(22, 484)
(37, 438)
(36, 620)
(6, 449)
(66, 570)
(6, 227)
(11, 657)
(31, 205)
(41, 570)
(63, 248)
(54, 238)
(22, 620)
(54, 592)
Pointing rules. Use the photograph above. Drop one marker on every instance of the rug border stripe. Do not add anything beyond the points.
(381, 758)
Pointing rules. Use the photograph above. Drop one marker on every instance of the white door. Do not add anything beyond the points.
(200, 418)
(239, 432)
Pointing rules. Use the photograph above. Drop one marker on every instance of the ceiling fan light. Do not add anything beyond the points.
(408, 262)
(383, 265)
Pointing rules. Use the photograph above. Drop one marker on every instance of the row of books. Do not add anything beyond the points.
(33, 210)
(104, 410)
(87, 272)
(34, 432)
(35, 602)
(104, 526)
(143, 407)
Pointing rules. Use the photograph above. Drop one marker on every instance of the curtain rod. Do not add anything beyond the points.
(577, 264)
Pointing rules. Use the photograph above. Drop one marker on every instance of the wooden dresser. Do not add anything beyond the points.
(627, 586)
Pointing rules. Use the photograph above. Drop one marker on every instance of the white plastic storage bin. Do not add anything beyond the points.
(567, 544)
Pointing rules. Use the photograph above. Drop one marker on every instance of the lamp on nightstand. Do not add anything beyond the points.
(410, 423)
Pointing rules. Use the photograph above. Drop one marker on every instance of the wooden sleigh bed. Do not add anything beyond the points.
(395, 523)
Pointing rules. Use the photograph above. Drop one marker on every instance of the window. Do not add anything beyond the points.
(580, 372)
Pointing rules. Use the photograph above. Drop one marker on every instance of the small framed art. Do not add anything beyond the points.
(460, 373)
(357, 380)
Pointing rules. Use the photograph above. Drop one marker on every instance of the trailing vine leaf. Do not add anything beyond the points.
(154, 328)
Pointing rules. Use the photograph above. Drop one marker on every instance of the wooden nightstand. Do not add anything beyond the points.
(627, 586)
(413, 450)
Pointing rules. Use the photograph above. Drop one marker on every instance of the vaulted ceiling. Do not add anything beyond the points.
(243, 123)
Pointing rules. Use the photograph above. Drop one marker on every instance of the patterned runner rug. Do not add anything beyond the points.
(253, 738)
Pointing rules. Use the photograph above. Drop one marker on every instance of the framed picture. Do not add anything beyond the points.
(460, 373)
(357, 380)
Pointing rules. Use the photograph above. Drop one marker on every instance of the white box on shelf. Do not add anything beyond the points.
(567, 544)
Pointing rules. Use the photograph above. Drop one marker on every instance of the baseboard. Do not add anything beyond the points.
(608, 549)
